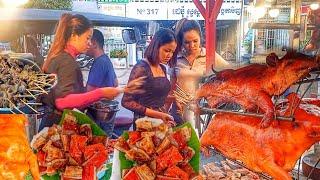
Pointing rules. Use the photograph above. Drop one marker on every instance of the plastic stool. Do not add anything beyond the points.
(122, 123)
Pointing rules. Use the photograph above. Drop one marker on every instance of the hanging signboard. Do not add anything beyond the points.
(176, 11)
(113, 1)
(113, 9)
(147, 11)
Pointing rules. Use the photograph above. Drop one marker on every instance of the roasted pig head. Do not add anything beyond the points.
(273, 150)
(293, 66)
(253, 86)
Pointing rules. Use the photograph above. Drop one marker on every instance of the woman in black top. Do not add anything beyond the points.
(72, 37)
(160, 51)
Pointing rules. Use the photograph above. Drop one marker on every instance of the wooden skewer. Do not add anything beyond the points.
(182, 100)
(31, 94)
(22, 96)
(30, 107)
(42, 82)
(181, 90)
(44, 91)
(15, 107)
(30, 103)
(40, 74)
(178, 94)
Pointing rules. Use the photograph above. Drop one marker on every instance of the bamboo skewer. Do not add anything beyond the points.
(14, 106)
(45, 83)
(30, 107)
(44, 91)
(31, 94)
(30, 103)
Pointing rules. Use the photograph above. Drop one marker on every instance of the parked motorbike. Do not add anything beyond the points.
(84, 61)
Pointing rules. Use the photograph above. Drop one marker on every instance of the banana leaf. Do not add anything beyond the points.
(193, 143)
(81, 119)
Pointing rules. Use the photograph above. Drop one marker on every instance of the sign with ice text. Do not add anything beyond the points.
(113, 9)
(112, 1)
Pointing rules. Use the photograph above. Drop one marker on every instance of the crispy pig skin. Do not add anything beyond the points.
(175, 171)
(74, 172)
(168, 158)
(145, 173)
(77, 146)
(136, 154)
(122, 145)
(131, 175)
(147, 145)
(95, 155)
(273, 150)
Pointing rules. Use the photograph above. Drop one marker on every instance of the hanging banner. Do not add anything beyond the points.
(113, 9)
(176, 11)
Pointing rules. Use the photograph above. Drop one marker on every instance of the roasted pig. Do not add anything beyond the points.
(273, 150)
(253, 86)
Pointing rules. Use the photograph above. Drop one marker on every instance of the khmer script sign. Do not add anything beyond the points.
(176, 11)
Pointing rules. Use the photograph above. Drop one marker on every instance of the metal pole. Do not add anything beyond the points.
(214, 110)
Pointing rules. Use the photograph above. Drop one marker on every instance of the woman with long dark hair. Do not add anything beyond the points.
(161, 51)
(72, 37)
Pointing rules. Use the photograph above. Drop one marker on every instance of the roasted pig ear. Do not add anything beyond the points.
(136, 154)
(122, 145)
(145, 173)
(147, 145)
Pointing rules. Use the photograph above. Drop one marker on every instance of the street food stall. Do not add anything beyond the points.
(250, 130)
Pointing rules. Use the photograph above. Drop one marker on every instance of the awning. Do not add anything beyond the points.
(14, 22)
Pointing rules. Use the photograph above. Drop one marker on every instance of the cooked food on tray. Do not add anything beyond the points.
(71, 149)
(158, 152)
